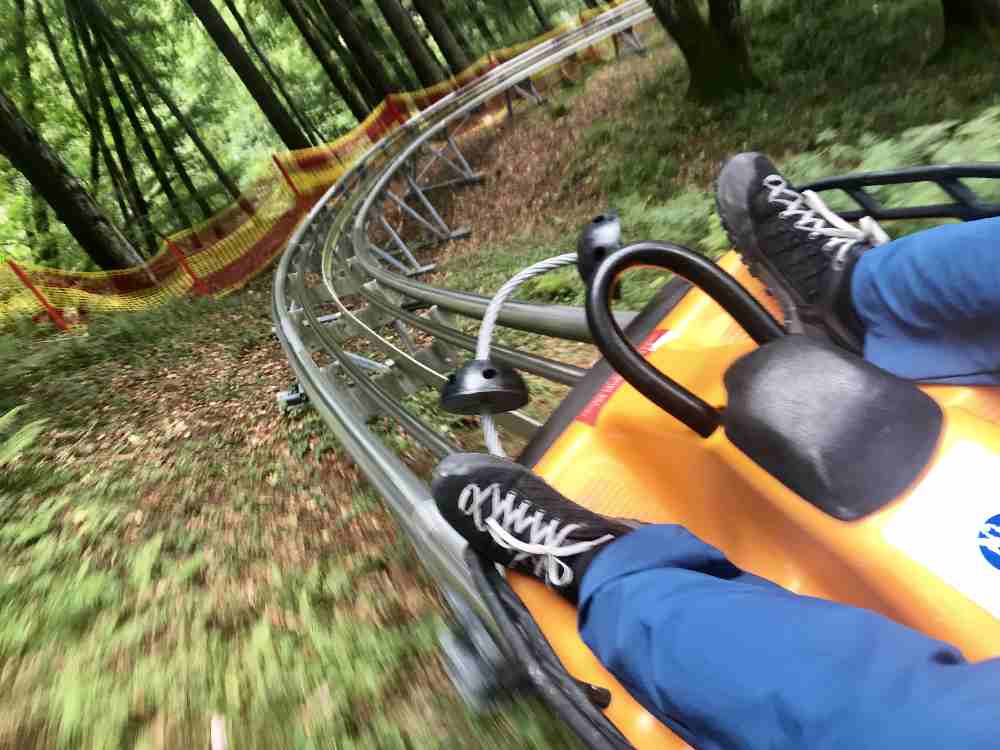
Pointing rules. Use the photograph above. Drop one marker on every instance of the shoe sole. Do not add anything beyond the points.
(761, 268)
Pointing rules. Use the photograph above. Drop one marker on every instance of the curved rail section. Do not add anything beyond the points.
(362, 333)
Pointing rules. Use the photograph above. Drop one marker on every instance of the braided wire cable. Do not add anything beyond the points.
(490, 433)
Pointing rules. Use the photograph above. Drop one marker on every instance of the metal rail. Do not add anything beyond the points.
(349, 311)
(362, 333)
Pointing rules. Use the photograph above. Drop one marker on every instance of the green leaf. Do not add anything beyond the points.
(144, 562)
(190, 568)
(15, 445)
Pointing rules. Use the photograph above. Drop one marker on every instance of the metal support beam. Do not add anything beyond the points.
(628, 42)
(415, 266)
(457, 162)
(525, 91)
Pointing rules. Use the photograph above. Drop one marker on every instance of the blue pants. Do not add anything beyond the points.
(930, 304)
(730, 660)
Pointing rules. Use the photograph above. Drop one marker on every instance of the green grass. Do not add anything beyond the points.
(172, 548)
(848, 86)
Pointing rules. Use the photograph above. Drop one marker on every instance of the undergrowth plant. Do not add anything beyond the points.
(14, 442)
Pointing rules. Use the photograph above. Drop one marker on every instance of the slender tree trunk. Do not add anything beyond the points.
(353, 100)
(95, 162)
(134, 192)
(359, 47)
(511, 18)
(38, 234)
(543, 20)
(729, 25)
(490, 40)
(969, 22)
(464, 38)
(402, 26)
(142, 138)
(716, 51)
(317, 14)
(426, 40)
(357, 75)
(437, 25)
(166, 142)
(117, 40)
(89, 110)
(307, 127)
(286, 128)
(40, 165)
(401, 75)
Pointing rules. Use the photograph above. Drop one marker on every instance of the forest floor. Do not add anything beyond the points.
(176, 548)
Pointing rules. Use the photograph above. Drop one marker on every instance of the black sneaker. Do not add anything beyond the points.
(796, 245)
(512, 517)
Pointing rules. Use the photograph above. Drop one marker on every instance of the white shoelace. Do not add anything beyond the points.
(509, 517)
(814, 216)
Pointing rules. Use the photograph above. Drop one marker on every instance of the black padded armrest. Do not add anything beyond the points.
(842, 433)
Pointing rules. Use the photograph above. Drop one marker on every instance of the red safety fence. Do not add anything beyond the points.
(225, 252)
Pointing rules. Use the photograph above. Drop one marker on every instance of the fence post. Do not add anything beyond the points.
(54, 314)
(178, 254)
(288, 179)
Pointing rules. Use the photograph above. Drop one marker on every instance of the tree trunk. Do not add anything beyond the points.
(95, 162)
(354, 102)
(716, 52)
(286, 128)
(38, 235)
(402, 26)
(321, 22)
(167, 142)
(401, 74)
(359, 47)
(117, 40)
(426, 40)
(74, 207)
(510, 16)
(543, 20)
(307, 126)
(89, 110)
(729, 25)
(133, 192)
(437, 24)
(969, 22)
(142, 139)
(490, 39)
(458, 30)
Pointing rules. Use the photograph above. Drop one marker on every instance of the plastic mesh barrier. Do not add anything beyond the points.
(225, 252)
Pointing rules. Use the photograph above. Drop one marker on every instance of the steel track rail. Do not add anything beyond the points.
(332, 243)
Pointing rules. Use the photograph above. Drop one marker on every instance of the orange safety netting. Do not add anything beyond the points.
(225, 252)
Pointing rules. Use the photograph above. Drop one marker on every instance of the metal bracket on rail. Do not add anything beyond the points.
(450, 156)
(401, 256)
(526, 90)
(628, 42)
(292, 398)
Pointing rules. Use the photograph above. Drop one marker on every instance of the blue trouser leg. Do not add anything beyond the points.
(930, 303)
(730, 660)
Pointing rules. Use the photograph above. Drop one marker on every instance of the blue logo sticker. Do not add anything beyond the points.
(989, 541)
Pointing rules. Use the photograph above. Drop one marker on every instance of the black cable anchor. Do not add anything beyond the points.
(482, 385)
(599, 239)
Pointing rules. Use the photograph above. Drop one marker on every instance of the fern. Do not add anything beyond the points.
(14, 445)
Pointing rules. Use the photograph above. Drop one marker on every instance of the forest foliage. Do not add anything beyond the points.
(74, 70)
(136, 120)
